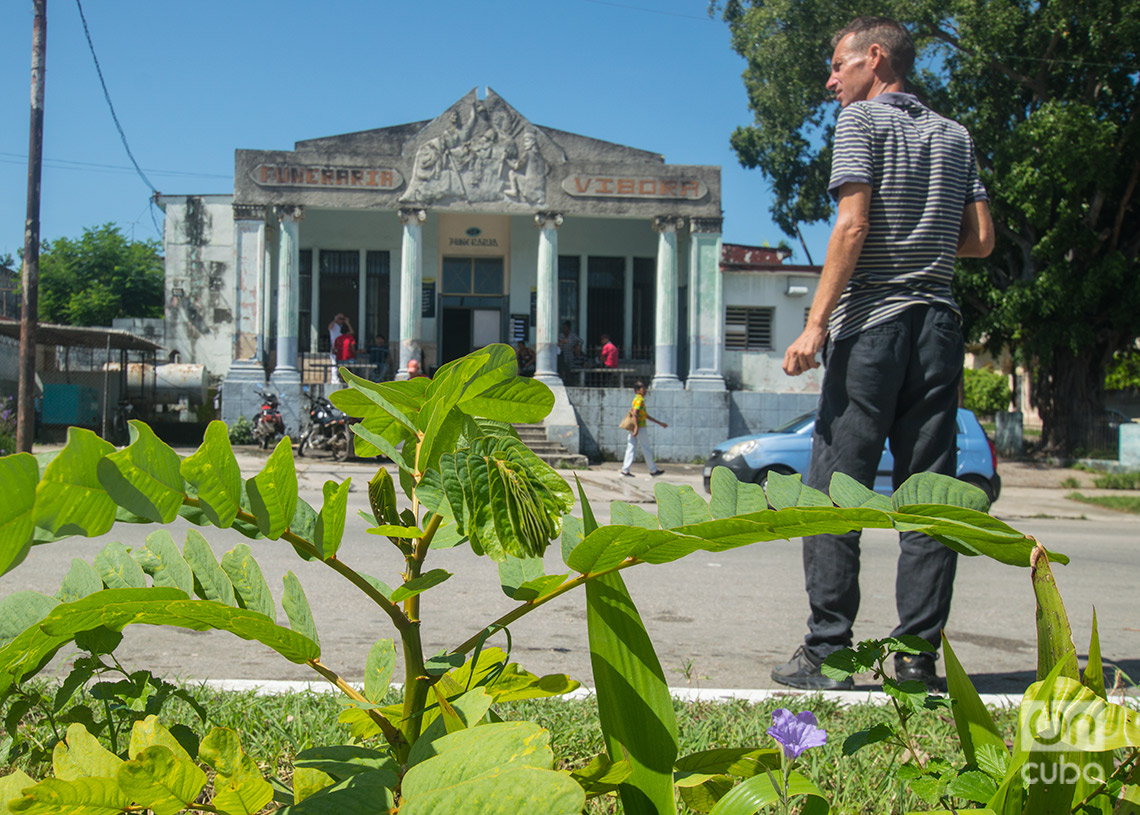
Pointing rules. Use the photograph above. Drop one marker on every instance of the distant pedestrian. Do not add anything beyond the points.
(524, 357)
(414, 368)
(345, 348)
(609, 352)
(639, 436)
(569, 351)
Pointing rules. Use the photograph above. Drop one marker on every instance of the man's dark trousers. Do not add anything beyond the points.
(898, 380)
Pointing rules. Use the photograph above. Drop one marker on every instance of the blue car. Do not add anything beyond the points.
(787, 450)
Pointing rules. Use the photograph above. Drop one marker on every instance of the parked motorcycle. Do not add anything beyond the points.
(268, 424)
(327, 429)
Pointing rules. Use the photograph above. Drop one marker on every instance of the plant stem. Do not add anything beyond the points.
(390, 731)
(531, 605)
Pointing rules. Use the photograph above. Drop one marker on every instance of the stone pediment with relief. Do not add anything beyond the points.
(479, 155)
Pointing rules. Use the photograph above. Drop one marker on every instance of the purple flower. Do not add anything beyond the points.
(796, 733)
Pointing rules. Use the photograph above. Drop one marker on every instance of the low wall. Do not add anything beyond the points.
(698, 420)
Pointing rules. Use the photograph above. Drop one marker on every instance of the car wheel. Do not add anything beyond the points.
(982, 484)
(762, 476)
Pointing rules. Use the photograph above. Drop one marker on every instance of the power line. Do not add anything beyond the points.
(95, 167)
(107, 96)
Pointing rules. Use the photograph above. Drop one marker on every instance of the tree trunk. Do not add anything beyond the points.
(1068, 392)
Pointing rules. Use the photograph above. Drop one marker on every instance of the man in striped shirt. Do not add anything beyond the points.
(885, 320)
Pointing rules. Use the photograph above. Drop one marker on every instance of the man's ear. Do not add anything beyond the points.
(876, 56)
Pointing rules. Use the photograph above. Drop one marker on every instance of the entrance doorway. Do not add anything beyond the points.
(339, 292)
(465, 329)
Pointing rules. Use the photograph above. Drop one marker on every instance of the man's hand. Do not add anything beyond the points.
(801, 354)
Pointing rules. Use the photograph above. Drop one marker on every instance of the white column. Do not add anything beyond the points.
(706, 306)
(411, 287)
(665, 355)
(546, 319)
(288, 283)
(249, 259)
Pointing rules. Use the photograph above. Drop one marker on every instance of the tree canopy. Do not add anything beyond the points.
(1049, 93)
(98, 277)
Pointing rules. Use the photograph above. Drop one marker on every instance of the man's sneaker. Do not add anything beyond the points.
(657, 472)
(920, 668)
(802, 672)
(627, 473)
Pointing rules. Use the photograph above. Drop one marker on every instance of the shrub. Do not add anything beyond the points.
(8, 427)
(987, 392)
(242, 431)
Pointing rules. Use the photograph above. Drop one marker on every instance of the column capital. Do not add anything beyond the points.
(289, 212)
(412, 216)
(668, 223)
(249, 212)
(548, 219)
(706, 225)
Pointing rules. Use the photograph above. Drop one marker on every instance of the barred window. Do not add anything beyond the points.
(748, 328)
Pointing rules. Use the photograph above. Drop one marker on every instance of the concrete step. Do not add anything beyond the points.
(552, 452)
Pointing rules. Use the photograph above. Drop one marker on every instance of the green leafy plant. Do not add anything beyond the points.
(1117, 481)
(986, 391)
(242, 431)
(465, 479)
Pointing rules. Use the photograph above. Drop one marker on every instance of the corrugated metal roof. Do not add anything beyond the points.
(73, 336)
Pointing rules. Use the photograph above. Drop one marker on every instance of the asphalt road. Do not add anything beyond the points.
(718, 620)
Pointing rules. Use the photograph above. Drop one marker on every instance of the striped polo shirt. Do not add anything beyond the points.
(922, 174)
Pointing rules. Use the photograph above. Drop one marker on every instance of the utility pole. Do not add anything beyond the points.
(30, 277)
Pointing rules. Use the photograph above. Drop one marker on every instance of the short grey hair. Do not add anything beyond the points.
(885, 32)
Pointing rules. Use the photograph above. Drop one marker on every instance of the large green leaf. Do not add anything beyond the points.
(210, 580)
(19, 474)
(516, 400)
(118, 569)
(69, 498)
(144, 477)
(934, 488)
(82, 756)
(495, 769)
(12, 786)
(297, 608)
(419, 585)
(343, 760)
(787, 491)
(756, 792)
(679, 506)
(847, 492)
(330, 523)
(515, 571)
(366, 793)
(239, 788)
(160, 558)
(743, 762)
(623, 514)
(634, 705)
(160, 781)
(1055, 644)
(249, 583)
(21, 609)
(213, 472)
(972, 719)
(273, 491)
(378, 669)
(731, 497)
(81, 580)
(83, 796)
(117, 608)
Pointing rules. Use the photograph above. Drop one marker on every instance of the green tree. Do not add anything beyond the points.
(98, 277)
(1049, 93)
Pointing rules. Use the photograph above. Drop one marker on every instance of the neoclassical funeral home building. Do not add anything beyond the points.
(439, 237)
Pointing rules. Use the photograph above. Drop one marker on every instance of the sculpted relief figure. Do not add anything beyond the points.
(479, 161)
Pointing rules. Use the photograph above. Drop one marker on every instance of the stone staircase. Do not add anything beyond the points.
(552, 452)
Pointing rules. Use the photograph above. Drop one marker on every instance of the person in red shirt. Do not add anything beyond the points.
(345, 344)
(609, 352)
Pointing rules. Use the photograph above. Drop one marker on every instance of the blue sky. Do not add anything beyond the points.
(192, 81)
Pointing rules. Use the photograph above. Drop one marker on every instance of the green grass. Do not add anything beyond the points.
(1070, 483)
(1120, 503)
(1118, 481)
(274, 728)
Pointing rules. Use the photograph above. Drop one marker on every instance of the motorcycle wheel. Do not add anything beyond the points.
(263, 441)
(339, 446)
(301, 445)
